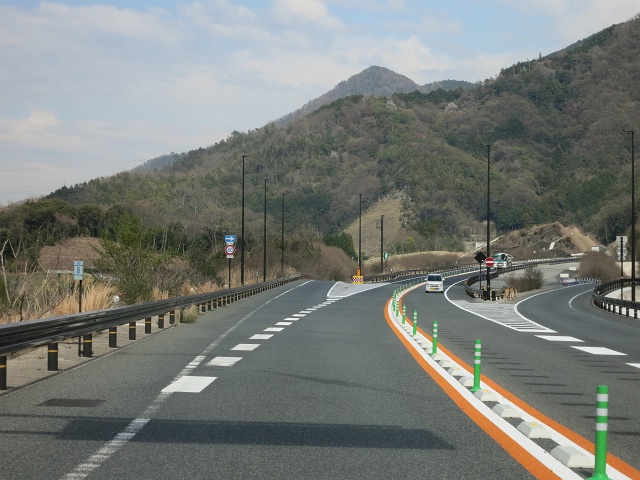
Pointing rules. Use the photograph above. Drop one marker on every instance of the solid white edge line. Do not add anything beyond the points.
(538, 452)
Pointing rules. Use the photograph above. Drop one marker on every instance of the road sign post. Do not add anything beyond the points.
(230, 251)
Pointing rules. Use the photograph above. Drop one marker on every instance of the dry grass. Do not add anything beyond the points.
(531, 279)
(189, 315)
(599, 265)
(95, 296)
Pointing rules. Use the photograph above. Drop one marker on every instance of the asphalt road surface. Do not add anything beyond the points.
(303, 382)
(329, 394)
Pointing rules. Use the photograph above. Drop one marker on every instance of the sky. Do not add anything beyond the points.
(92, 88)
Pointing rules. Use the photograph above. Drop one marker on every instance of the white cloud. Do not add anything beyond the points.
(306, 12)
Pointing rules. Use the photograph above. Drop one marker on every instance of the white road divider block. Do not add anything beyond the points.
(534, 430)
(572, 457)
(486, 396)
(466, 381)
(456, 372)
(446, 363)
(506, 411)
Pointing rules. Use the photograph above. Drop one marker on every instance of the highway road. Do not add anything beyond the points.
(551, 349)
(310, 381)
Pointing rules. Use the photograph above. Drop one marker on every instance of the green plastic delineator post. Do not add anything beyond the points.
(415, 322)
(602, 421)
(404, 313)
(435, 338)
(476, 366)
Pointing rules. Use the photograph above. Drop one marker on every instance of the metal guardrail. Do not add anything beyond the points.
(35, 333)
(422, 271)
(615, 305)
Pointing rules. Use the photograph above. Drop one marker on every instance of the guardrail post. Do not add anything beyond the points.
(113, 337)
(172, 317)
(602, 420)
(161, 320)
(3, 372)
(87, 345)
(147, 325)
(132, 330)
(52, 357)
(476, 366)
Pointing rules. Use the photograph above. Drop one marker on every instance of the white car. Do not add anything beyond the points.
(434, 283)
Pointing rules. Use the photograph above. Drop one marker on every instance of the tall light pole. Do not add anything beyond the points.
(633, 221)
(360, 239)
(264, 236)
(381, 243)
(488, 145)
(242, 228)
(282, 240)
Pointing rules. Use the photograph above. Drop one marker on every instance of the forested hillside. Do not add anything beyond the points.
(558, 153)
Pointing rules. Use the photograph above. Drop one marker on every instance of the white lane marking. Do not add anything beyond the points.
(273, 329)
(560, 338)
(342, 289)
(284, 324)
(299, 315)
(246, 347)
(84, 469)
(223, 361)
(196, 361)
(291, 319)
(189, 384)
(637, 365)
(261, 336)
(599, 350)
(502, 314)
(306, 312)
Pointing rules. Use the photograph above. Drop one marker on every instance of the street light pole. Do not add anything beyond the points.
(381, 243)
(633, 220)
(242, 228)
(282, 241)
(488, 215)
(264, 236)
(360, 239)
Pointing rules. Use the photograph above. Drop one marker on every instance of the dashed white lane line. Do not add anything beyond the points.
(291, 319)
(189, 384)
(637, 365)
(261, 336)
(273, 329)
(306, 312)
(599, 350)
(94, 461)
(560, 338)
(246, 347)
(223, 361)
(299, 315)
(284, 324)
